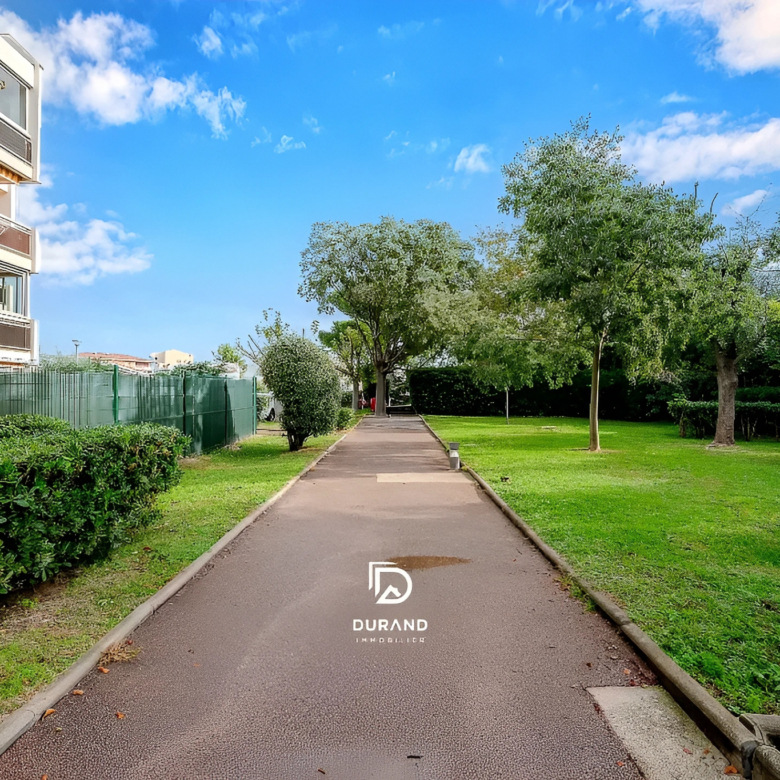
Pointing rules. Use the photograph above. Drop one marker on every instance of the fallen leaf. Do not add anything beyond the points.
(196, 664)
(120, 715)
(147, 549)
(48, 712)
(730, 770)
(620, 763)
(78, 692)
(632, 683)
(103, 669)
(707, 750)
(44, 777)
(128, 641)
(689, 752)
(626, 671)
(57, 728)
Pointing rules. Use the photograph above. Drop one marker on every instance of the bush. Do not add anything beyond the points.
(69, 497)
(769, 394)
(344, 418)
(346, 399)
(13, 425)
(303, 378)
(699, 418)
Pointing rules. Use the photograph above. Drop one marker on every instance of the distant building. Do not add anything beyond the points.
(170, 358)
(143, 365)
(20, 133)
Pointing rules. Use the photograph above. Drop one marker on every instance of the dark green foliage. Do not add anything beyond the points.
(12, 425)
(344, 418)
(699, 418)
(769, 394)
(454, 390)
(303, 378)
(346, 399)
(68, 497)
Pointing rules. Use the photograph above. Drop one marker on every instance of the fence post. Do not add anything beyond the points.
(254, 404)
(116, 394)
(184, 403)
(227, 427)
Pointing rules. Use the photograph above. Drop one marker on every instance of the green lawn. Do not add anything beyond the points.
(43, 631)
(686, 539)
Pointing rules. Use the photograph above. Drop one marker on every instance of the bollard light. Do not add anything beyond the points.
(454, 455)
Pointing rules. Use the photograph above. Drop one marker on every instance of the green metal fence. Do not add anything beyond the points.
(214, 411)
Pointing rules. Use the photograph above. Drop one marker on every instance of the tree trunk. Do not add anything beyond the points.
(727, 394)
(594, 445)
(507, 405)
(355, 394)
(381, 394)
(295, 440)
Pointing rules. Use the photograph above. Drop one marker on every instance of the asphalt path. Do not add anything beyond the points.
(264, 667)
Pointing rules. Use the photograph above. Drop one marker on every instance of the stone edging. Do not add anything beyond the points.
(725, 731)
(29, 713)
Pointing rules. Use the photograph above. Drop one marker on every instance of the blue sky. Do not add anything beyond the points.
(188, 146)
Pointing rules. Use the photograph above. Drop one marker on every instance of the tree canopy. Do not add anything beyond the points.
(402, 282)
(611, 252)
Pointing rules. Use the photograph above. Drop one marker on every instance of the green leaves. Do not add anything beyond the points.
(303, 378)
(402, 282)
(67, 496)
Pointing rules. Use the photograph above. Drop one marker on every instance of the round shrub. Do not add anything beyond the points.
(344, 418)
(303, 378)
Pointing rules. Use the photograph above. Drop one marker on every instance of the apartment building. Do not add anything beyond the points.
(170, 358)
(20, 132)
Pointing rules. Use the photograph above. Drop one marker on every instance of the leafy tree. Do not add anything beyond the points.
(227, 355)
(350, 354)
(508, 340)
(272, 328)
(68, 364)
(611, 252)
(734, 313)
(773, 335)
(303, 378)
(402, 283)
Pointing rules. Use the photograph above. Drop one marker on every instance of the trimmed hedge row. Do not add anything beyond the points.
(453, 390)
(699, 418)
(70, 496)
(14, 425)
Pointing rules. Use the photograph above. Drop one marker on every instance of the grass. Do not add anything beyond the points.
(44, 630)
(685, 538)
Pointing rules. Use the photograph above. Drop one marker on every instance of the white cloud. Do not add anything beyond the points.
(444, 181)
(471, 159)
(561, 6)
(747, 202)
(437, 145)
(79, 252)
(391, 134)
(297, 41)
(689, 146)
(209, 43)
(389, 79)
(93, 65)
(263, 138)
(400, 31)
(312, 123)
(287, 144)
(676, 97)
(747, 32)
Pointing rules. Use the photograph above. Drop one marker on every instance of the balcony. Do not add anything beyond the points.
(16, 332)
(18, 245)
(16, 153)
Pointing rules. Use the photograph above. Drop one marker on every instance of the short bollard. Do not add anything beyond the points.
(454, 455)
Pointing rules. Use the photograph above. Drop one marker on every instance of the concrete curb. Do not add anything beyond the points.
(29, 713)
(725, 731)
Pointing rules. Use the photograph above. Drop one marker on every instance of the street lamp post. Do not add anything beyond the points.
(78, 344)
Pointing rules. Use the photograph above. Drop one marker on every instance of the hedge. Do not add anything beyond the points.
(72, 496)
(453, 390)
(13, 425)
(699, 418)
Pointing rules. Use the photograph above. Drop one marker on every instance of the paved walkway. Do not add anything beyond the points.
(255, 670)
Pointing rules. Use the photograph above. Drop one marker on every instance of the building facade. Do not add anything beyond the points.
(20, 132)
(131, 362)
(170, 358)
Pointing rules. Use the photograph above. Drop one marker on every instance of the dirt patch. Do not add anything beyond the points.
(416, 562)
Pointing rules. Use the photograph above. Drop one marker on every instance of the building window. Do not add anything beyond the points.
(11, 294)
(13, 98)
